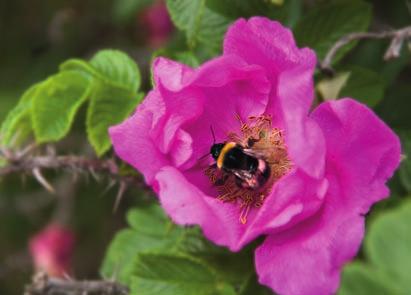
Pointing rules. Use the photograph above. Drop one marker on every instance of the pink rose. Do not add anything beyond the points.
(52, 249)
(327, 166)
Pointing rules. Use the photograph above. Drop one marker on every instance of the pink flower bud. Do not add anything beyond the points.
(157, 24)
(52, 249)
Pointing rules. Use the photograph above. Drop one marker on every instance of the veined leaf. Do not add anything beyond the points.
(111, 66)
(118, 68)
(164, 274)
(405, 168)
(388, 251)
(359, 279)
(322, 26)
(199, 22)
(364, 85)
(17, 125)
(150, 230)
(56, 103)
(391, 233)
(109, 105)
(80, 65)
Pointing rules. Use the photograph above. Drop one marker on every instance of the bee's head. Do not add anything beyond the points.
(216, 150)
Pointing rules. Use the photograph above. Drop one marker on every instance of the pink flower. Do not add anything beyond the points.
(51, 250)
(327, 166)
(157, 23)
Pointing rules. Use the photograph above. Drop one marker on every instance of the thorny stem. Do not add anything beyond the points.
(397, 39)
(31, 164)
(44, 285)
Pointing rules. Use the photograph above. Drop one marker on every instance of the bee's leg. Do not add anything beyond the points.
(233, 137)
(251, 141)
(221, 181)
(241, 183)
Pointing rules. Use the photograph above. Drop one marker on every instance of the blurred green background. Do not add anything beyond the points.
(37, 35)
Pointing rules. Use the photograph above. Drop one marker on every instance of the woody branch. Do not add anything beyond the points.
(28, 163)
(397, 37)
(45, 285)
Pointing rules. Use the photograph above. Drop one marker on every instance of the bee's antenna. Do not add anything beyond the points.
(212, 132)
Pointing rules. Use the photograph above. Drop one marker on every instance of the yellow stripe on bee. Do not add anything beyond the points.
(228, 146)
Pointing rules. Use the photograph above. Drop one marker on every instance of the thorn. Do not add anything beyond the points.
(27, 150)
(121, 191)
(40, 178)
(109, 186)
(51, 150)
(94, 174)
(403, 157)
(7, 154)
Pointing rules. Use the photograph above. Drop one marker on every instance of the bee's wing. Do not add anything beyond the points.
(242, 174)
(254, 153)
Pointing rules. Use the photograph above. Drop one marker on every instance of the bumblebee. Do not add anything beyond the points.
(251, 171)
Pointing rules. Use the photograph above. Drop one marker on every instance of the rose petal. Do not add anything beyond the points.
(361, 148)
(267, 43)
(290, 69)
(132, 142)
(362, 152)
(307, 259)
(189, 199)
(304, 139)
(187, 205)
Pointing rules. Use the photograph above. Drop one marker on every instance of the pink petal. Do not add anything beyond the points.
(304, 139)
(132, 142)
(188, 205)
(308, 258)
(290, 69)
(362, 153)
(267, 43)
(189, 199)
(224, 87)
(361, 148)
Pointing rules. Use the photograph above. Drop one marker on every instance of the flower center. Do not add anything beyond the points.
(263, 142)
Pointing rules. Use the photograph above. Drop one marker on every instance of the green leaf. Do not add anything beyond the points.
(405, 168)
(364, 85)
(17, 125)
(394, 108)
(109, 105)
(322, 26)
(117, 68)
(188, 58)
(56, 103)
(241, 8)
(388, 246)
(163, 274)
(151, 230)
(80, 65)
(199, 22)
(252, 287)
(359, 279)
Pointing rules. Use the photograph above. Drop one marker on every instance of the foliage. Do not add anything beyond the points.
(79, 102)
(383, 274)
(109, 82)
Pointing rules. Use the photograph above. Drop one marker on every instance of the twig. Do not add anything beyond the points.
(33, 164)
(44, 285)
(397, 39)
